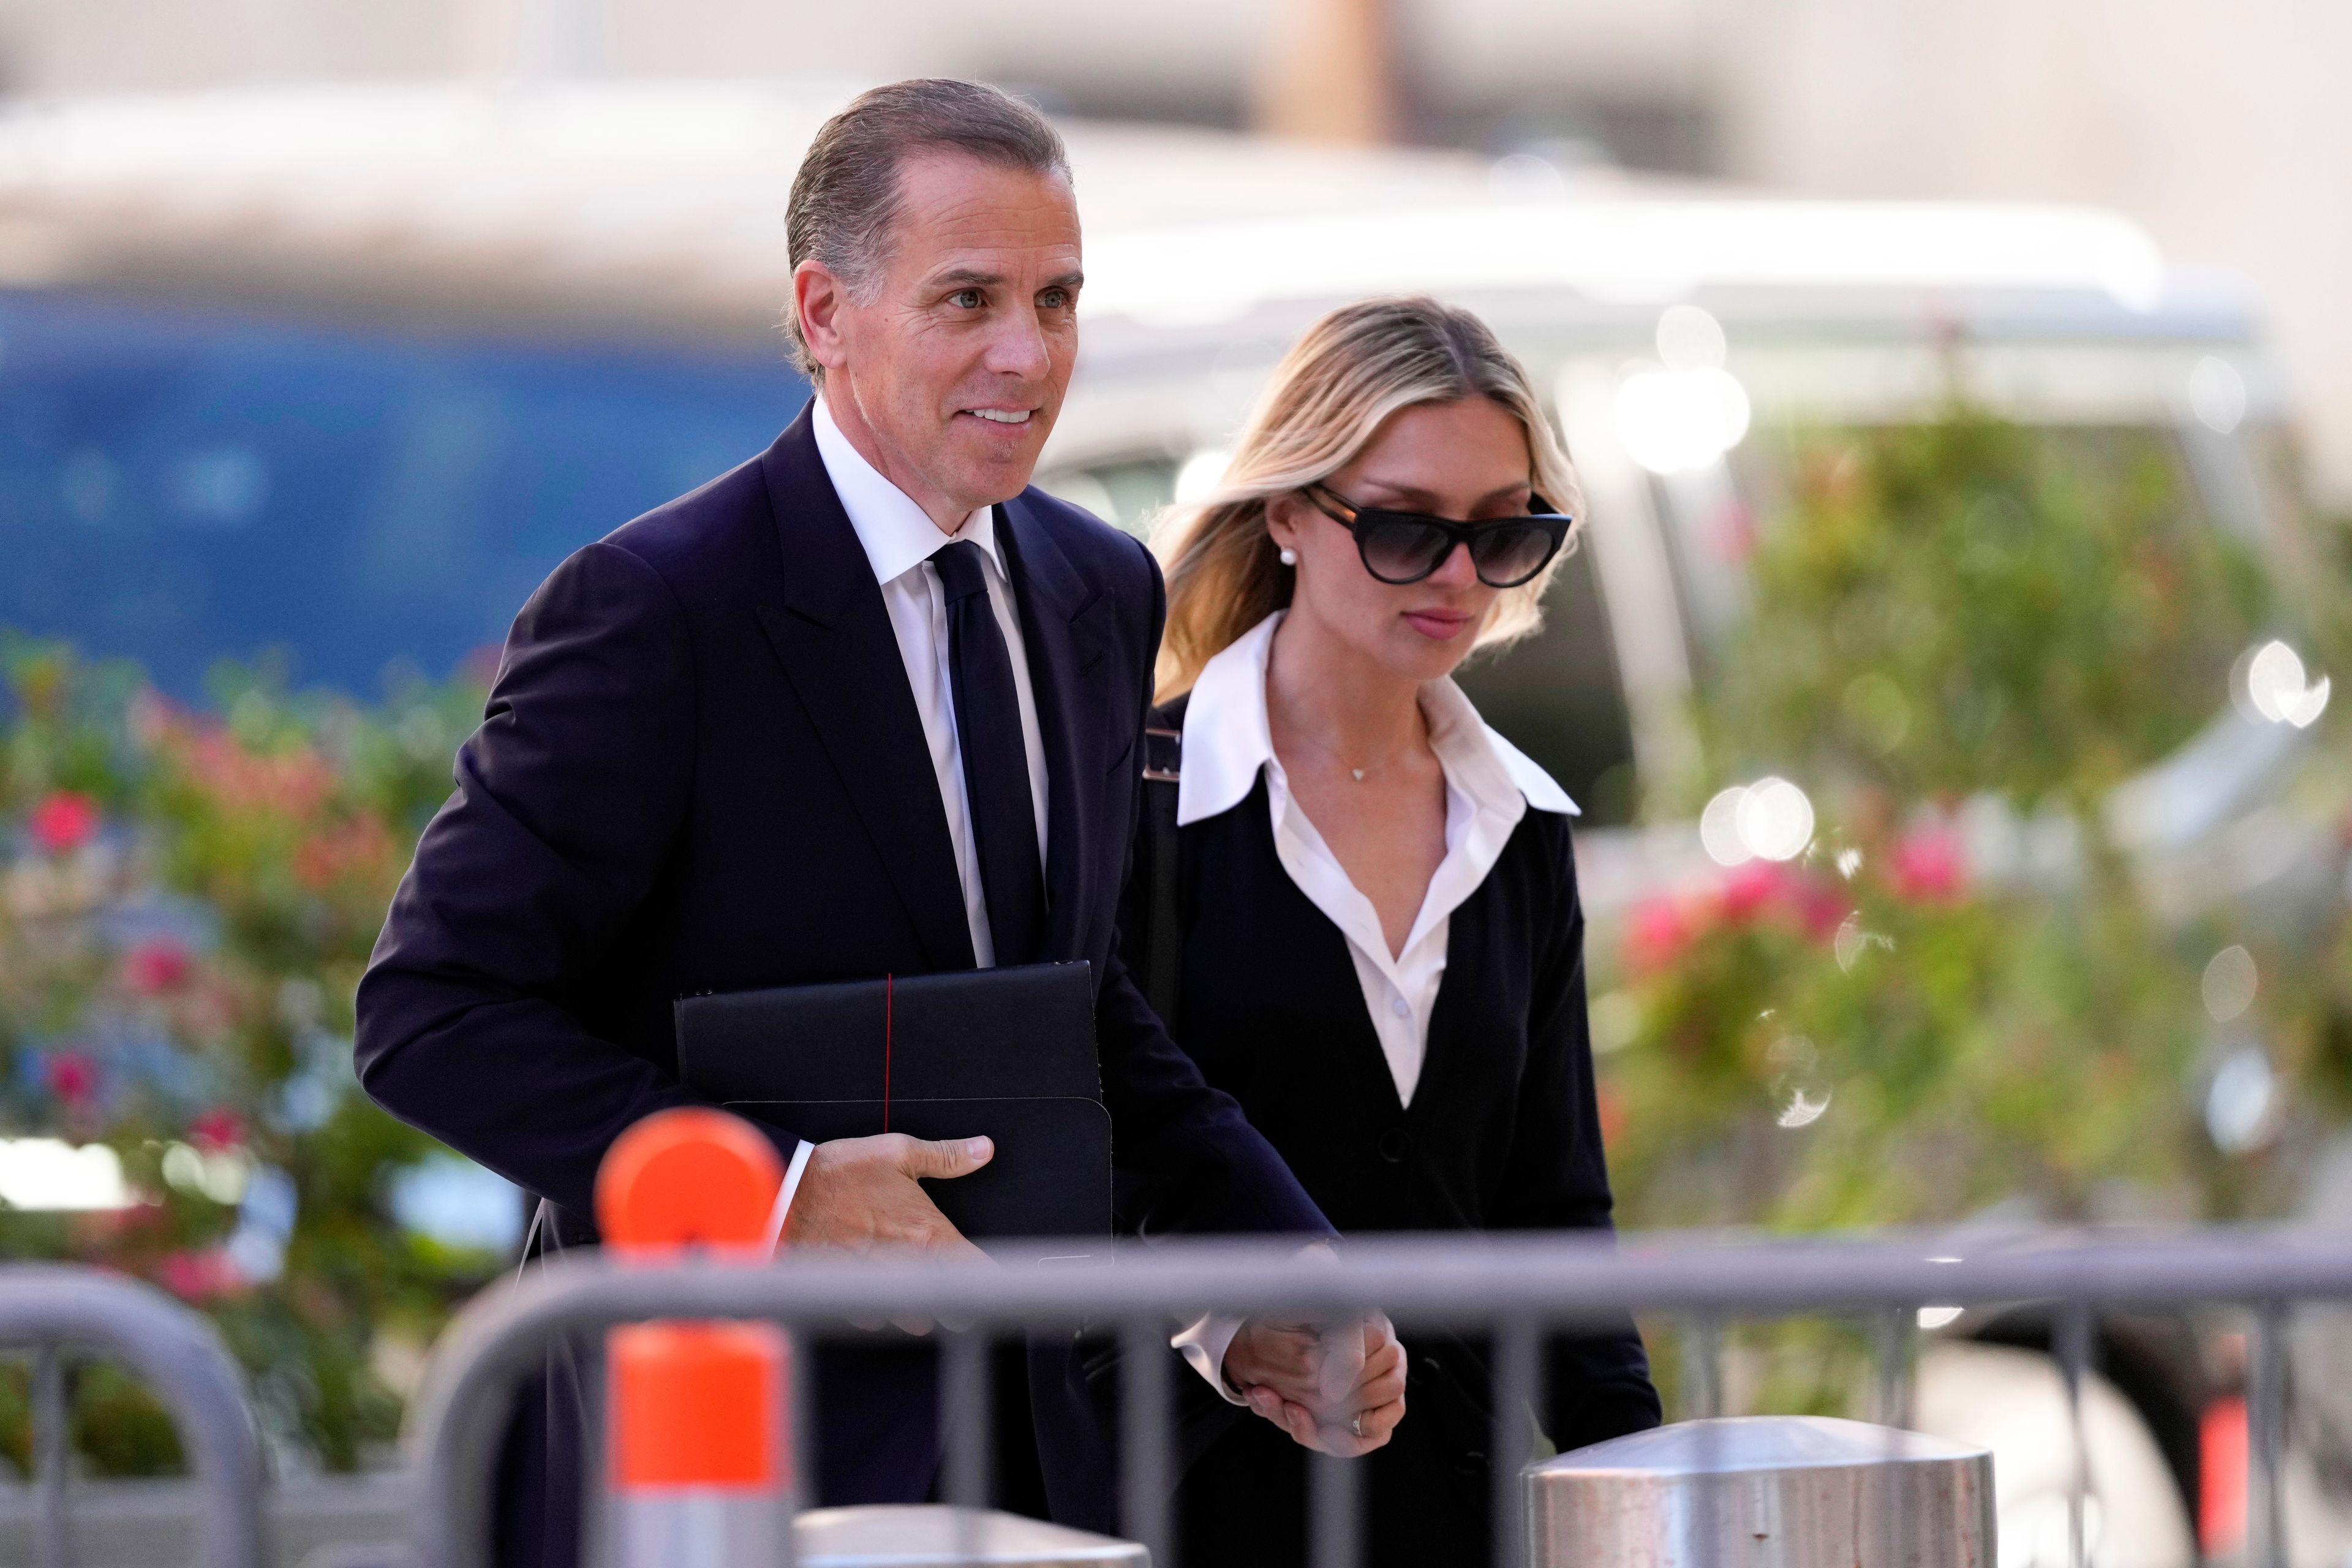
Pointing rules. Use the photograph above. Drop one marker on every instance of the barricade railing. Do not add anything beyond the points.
(1514, 1290)
(60, 1312)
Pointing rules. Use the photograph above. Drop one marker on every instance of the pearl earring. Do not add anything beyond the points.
(1290, 556)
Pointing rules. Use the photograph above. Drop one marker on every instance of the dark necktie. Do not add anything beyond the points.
(995, 763)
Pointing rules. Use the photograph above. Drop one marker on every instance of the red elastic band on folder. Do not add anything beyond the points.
(887, 988)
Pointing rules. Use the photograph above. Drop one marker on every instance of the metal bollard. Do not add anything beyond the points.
(1763, 1491)
(699, 1465)
(933, 1536)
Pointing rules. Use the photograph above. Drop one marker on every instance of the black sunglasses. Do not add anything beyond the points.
(1401, 547)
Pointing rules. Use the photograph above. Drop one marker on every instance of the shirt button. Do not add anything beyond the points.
(1395, 1144)
(1396, 1006)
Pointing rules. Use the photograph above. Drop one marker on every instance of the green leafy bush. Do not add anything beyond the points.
(1953, 624)
(1968, 604)
(186, 902)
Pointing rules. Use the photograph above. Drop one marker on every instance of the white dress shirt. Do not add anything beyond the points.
(900, 540)
(1489, 785)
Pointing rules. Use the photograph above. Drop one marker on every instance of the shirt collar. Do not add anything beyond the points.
(1227, 741)
(1487, 767)
(897, 534)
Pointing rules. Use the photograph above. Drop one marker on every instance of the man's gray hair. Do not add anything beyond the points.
(846, 196)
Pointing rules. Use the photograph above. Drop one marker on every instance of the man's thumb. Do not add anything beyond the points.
(947, 1157)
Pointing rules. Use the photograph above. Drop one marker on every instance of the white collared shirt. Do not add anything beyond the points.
(900, 540)
(1489, 785)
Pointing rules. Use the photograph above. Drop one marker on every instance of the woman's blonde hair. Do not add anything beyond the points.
(1330, 393)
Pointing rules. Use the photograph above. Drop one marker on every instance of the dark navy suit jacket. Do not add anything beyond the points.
(702, 769)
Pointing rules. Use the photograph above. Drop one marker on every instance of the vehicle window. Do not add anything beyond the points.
(182, 486)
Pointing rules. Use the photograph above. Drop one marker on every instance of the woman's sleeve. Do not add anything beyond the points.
(1557, 1174)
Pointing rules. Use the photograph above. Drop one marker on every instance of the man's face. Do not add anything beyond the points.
(950, 379)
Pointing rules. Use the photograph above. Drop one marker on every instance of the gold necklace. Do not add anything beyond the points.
(1331, 751)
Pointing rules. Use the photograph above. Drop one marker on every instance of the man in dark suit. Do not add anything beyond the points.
(866, 704)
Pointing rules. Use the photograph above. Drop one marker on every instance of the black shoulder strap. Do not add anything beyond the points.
(1163, 936)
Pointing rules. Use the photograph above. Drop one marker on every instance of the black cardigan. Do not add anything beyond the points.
(1502, 1133)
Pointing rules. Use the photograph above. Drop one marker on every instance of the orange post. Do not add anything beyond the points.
(2224, 1452)
(698, 1457)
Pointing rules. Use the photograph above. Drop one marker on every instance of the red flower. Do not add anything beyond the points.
(73, 1077)
(198, 1277)
(1929, 866)
(1821, 908)
(64, 821)
(1657, 934)
(1752, 890)
(1763, 889)
(156, 966)
(216, 1130)
(1661, 928)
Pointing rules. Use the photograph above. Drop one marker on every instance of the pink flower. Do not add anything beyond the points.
(73, 1077)
(216, 1130)
(1753, 888)
(1929, 866)
(63, 821)
(293, 784)
(1767, 890)
(1661, 928)
(156, 966)
(1822, 910)
(198, 1277)
(1657, 934)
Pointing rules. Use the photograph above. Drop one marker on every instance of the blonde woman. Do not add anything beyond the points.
(1371, 937)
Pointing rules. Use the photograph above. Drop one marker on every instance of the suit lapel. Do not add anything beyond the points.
(833, 638)
(1062, 620)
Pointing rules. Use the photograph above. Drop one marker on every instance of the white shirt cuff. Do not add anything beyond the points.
(1204, 1345)
(784, 1208)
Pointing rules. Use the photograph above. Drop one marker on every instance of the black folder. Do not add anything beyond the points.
(1008, 1053)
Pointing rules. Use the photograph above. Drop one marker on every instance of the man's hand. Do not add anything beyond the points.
(859, 1194)
(1339, 1390)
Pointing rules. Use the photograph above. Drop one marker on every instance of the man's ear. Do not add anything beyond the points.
(817, 298)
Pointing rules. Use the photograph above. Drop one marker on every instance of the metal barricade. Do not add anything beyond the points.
(1514, 1290)
(58, 1310)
